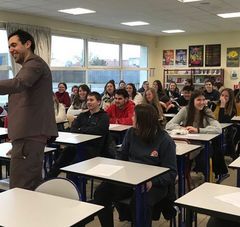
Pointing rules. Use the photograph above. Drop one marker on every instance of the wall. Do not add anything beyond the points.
(230, 39)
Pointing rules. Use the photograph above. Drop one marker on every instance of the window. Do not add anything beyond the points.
(67, 52)
(5, 63)
(70, 77)
(135, 76)
(102, 62)
(103, 54)
(134, 56)
(98, 78)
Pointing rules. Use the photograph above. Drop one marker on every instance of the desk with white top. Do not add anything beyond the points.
(118, 127)
(127, 173)
(203, 138)
(24, 208)
(74, 138)
(236, 118)
(169, 116)
(203, 200)
(5, 147)
(118, 131)
(226, 125)
(236, 165)
(3, 132)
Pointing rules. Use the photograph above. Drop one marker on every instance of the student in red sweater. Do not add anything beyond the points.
(121, 112)
(62, 94)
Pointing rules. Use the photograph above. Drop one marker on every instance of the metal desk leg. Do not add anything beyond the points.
(181, 184)
(206, 155)
(238, 177)
(189, 218)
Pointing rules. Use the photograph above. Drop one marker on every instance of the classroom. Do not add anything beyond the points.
(146, 97)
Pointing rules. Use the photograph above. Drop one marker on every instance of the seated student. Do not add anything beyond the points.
(173, 92)
(62, 94)
(108, 94)
(211, 95)
(185, 97)
(145, 86)
(96, 122)
(237, 89)
(188, 82)
(150, 97)
(198, 118)
(145, 143)
(79, 103)
(169, 106)
(74, 92)
(60, 112)
(134, 96)
(121, 112)
(157, 85)
(122, 84)
(224, 111)
(237, 101)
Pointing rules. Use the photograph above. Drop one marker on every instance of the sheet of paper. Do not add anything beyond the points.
(104, 170)
(232, 198)
(111, 126)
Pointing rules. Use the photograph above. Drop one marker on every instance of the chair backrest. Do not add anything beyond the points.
(60, 187)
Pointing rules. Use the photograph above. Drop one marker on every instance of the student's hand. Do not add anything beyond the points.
(148, 185)
(223, 102)
(206, 102)
(170, 106)
(192, 129)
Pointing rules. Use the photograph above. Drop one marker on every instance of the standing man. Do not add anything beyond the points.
(31, 114)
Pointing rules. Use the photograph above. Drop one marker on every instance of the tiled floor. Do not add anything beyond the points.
(197, 179)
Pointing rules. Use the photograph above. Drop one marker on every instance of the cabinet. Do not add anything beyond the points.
(198, 76)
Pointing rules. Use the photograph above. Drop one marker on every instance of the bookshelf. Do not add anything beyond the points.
(198, 76)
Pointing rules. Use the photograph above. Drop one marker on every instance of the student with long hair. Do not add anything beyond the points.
(157, 85)
(150, 97)
(172, 91)
(198, 118)
(145, 86)
(226, 107)
(146, 142)
(224, 112)
(134, 96)
(79, 103)
(62, 94)
(108, 94)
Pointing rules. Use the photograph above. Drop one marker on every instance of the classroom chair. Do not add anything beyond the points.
(60, 187)
(166, 207)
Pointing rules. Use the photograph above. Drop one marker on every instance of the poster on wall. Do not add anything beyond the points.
(233, 57)
(213, 55)
(168, 57)
(195, 56)
(181, 57)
